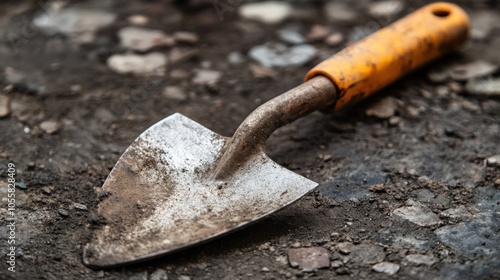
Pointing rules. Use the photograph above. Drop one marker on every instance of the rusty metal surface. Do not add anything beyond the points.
(159, 198)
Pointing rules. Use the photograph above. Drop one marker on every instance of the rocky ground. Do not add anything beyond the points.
(409, 179)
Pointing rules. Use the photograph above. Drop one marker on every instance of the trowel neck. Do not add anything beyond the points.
(251, 136)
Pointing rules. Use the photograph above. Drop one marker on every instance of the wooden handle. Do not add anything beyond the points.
(376, 61)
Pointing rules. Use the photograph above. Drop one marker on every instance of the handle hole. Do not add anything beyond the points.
(441, 13)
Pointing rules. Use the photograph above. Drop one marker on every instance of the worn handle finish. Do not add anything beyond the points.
(376, 61)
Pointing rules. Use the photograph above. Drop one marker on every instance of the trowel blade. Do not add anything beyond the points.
(159, 197)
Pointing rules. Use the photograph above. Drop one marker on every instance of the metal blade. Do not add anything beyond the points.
(161, 197)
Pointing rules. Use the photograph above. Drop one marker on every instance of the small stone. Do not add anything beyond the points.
(142, 39)
(337, 11)
(63, 212)
(497, 182)
(318, 32)
(80, 206)
(186, 37)
(291, 36)
(383, 109)
(345, 247)
(309, 258)
(184, 277)
(377, 188)
(278, 55)
(152, 63)
(458, 213)
(139, 20)
(336, 264)
(265, 269)
(418, 259)
(77, 23)
(488, 87)
(367, 254)
(21, 185)
(235, 58)
(472, 70)
(262, 71)
(206, 77)
(4, 106)
(417, 214)
(386, 267)
(159, 274)
(394, 120)
(334, 39)
(455, 87)
(437, 76)
(385, 9)
(269, 12)
(46, 190)
(174, 93)
(493, 161)
(50, 126)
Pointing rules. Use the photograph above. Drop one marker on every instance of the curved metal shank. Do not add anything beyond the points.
(251, 136)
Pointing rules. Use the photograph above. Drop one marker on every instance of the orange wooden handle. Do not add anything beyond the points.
(376, 61)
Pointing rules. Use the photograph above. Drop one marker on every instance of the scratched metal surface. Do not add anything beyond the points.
(160, 196)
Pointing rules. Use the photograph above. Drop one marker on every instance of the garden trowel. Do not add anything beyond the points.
(180, 184)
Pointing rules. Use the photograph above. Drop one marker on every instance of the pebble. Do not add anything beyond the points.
(278, 55)
(493, 161)
(383, 109)
(174, 93)
(206, 77)
(152, 63)
(472, 70)
(63, 212)
(142, 39)
(291, 36)
(50, 126)
(235, 58)
(309, 258)
(336, 11)
(345, 247)
(138, 20)
(21, 185)
(385, 9)
(367, 254)
(262, 72)
(159, 274)
(336, 264)
(268, 12)
(490, 87)
(76, 23)
(186, 37)
(386, 267)
(417, 214)
(418, 259)
(80, 206)
(4, 106)
(334, 39)
(318, 32)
